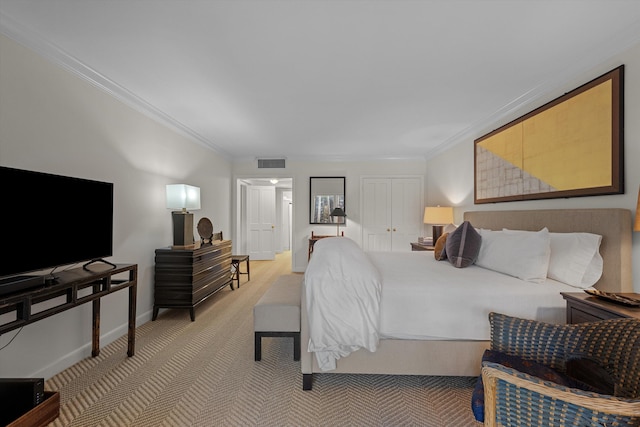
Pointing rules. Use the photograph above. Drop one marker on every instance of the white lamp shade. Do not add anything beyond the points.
(183, 196)
(438, 215)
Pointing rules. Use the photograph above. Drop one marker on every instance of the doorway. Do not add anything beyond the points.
(264, 217)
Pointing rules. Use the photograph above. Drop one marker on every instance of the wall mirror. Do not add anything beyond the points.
(326, 193)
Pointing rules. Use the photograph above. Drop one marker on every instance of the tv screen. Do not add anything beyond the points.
(52, 220)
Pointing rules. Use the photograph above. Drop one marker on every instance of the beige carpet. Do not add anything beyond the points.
(202, 373)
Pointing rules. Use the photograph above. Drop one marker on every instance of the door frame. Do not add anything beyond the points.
(239, 215)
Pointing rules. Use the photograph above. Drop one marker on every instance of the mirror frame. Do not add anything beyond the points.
(333, 200)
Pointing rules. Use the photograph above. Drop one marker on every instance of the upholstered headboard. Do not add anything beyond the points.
(614, 225)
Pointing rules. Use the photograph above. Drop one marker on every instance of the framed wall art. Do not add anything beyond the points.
(326, 194)
(571, 146)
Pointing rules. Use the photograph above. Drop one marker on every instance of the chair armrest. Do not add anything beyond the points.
(515, 397)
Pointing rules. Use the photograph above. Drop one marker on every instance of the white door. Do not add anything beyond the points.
(391, 213)
(376, 214)
(406, 206)
(261, 204)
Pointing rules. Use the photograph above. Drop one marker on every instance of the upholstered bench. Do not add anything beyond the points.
(277, 313)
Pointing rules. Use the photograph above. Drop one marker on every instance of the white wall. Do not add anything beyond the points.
(301, 170)
(52, 121)
(450, 174)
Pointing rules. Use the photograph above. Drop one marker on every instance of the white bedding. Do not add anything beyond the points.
(342, 291)
(427, 299)
(354, 298)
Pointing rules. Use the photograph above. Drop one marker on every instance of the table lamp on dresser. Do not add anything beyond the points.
(182, 197)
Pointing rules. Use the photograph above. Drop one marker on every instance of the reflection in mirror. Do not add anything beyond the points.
(326, 194)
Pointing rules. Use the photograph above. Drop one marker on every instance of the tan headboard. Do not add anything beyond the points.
(614, 225)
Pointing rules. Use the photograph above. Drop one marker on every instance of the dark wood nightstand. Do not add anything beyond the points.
(421, 247)
(582, 307)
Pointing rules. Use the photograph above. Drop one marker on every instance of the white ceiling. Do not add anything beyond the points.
(326, 79)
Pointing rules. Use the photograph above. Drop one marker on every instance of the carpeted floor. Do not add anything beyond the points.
(202, 373)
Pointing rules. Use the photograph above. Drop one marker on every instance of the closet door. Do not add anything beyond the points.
(376, 216)
(406, 205)
(391, 213)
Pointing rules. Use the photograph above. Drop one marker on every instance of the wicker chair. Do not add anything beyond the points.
(513, 398)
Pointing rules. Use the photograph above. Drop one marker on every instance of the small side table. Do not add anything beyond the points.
(582, 307)
(235, 264)
(421, 247)
(315, 237)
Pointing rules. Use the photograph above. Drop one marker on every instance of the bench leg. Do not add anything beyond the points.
(296, 346)
(307, 379)
(257, 346)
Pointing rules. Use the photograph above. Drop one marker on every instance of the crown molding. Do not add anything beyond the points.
(34, 41)
(599, 60)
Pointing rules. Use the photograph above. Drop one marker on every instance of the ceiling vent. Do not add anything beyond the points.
(271, 163)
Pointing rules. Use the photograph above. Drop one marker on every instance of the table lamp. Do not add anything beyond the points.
(182, 197)
(338, 212)
(438, 216)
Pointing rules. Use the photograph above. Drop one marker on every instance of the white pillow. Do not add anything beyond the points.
(575, 259)
(449, 228)
(520, 254)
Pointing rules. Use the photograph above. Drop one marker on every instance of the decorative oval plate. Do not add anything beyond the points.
(205, 228)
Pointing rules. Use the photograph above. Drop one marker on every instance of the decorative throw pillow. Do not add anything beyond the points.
(462, 245)
(590, 375)
(522, 254)
(439, 250)
(449, 228)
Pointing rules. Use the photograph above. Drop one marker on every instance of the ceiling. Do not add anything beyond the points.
(326, 79)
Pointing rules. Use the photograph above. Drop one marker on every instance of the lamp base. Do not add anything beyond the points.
(437, 232)
(182, 229)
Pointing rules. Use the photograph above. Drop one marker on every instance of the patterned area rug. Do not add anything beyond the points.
(202, 373)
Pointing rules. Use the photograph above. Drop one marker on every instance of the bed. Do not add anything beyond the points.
(459, 354)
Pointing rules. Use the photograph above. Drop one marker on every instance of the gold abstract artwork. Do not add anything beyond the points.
(567, 147)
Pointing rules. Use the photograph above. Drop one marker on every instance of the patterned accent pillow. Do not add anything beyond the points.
(439, 250)
(463, 245)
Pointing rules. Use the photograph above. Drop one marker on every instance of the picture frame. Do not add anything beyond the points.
(572, 146)
(325, 194)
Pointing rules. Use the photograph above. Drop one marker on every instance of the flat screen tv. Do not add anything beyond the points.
(50, 221)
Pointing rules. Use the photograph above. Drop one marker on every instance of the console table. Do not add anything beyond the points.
(75, 287)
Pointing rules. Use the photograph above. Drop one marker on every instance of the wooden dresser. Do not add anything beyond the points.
(186, 277)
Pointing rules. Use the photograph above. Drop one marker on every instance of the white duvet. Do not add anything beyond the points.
(355, 298)
(427, 299)
(342, 290)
